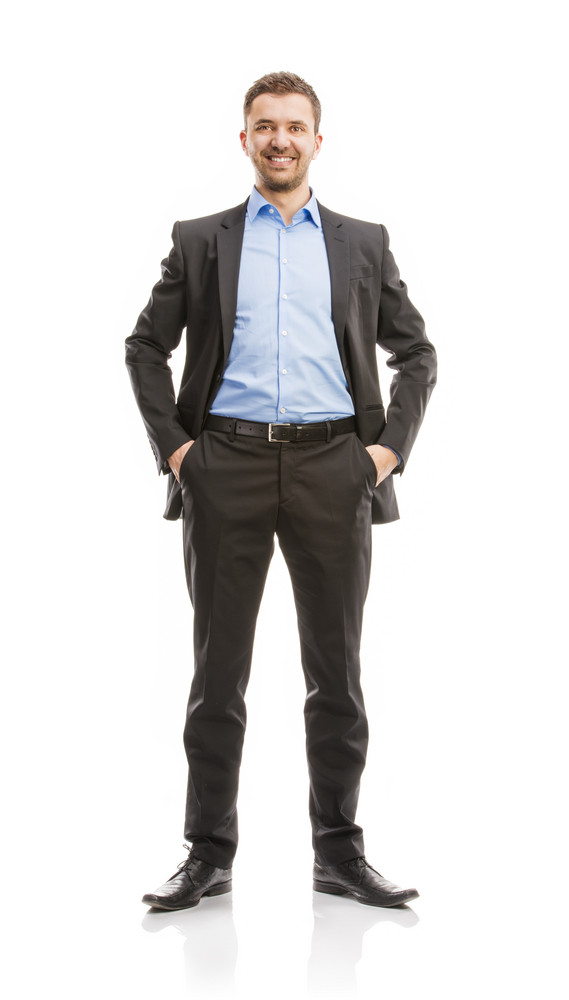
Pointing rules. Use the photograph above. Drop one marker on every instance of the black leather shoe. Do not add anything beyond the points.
(360, 881)
(194, 879)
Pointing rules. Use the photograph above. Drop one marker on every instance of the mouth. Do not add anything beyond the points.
(280, 160)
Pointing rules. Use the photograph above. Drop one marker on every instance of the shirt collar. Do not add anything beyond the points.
(257, 202)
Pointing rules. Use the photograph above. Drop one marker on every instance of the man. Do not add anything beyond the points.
(279, 429)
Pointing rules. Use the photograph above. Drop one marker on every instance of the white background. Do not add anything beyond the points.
(446, 122)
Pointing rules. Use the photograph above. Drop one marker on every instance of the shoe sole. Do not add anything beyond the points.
(336, 890)
(216, 890)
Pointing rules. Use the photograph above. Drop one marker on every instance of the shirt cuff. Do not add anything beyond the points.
(396, 453)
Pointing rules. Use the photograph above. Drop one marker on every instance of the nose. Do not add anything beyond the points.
(279, 138)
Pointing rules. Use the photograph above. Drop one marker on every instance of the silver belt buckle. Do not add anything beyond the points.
(271, 438)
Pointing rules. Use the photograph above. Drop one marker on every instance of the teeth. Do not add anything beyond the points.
(280, 159)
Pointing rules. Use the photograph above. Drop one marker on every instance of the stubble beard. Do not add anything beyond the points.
(274, 182)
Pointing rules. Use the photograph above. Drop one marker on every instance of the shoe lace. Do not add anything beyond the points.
(362, 863)
(185, 865)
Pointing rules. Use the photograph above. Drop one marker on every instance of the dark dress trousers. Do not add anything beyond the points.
(237, 493)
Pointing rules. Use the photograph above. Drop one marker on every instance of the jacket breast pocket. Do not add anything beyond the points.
(361, 271)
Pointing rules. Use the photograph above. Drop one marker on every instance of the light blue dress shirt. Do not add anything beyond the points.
(284, 365)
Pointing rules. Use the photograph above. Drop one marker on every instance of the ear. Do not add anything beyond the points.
(317, 146)
(243, 138)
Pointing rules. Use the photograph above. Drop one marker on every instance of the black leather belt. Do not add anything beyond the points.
(281, 432)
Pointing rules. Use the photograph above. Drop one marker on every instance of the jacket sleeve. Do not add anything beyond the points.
(401, 332)
(157, 333)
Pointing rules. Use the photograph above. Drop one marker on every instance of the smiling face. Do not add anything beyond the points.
(280, 141)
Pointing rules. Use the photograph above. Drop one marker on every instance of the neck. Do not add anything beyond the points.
(287, 202)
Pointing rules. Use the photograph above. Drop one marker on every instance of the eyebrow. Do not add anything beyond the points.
(269, 121)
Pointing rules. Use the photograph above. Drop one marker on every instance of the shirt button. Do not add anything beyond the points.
(283, 409)
(285, 296)
(271, 211)
(284, 261)
(284, 333)
(284, 371)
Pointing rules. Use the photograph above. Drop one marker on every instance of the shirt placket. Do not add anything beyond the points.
(283, 331)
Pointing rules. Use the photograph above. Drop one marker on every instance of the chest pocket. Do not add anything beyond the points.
(361, 271)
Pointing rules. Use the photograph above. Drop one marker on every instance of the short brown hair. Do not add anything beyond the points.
(282, 83)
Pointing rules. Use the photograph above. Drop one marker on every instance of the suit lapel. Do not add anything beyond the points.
(338, 250)
(229, 244)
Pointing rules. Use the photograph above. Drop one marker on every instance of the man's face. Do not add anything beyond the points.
(280, 140)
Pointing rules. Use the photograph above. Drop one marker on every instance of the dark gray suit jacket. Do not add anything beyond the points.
(198, 291)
